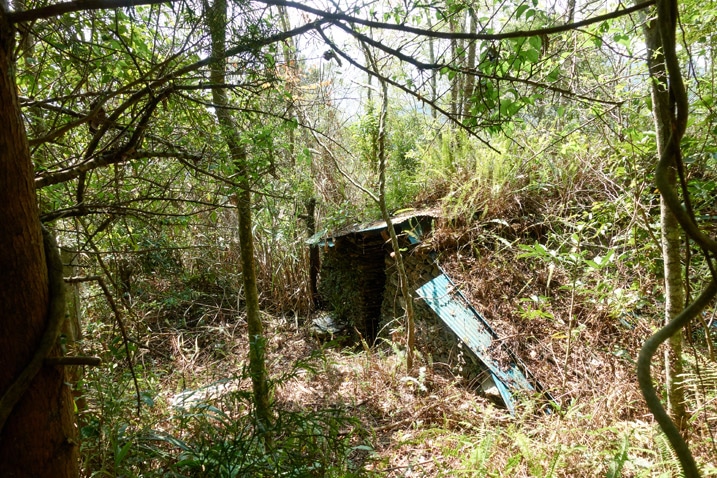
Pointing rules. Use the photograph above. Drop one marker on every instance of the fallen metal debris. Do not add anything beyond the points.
(508, 376)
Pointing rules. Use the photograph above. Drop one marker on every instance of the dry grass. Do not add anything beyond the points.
(434, 423)
(498, 285)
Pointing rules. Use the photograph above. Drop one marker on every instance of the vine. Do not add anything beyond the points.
(55, 316)
(671, 157)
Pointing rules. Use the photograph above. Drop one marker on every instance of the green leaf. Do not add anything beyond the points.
(504, 104)
(121, 453)
(513, 108)
(270, 61)
(535, 42)
(621, 39)
(533, 56)
(147, 399)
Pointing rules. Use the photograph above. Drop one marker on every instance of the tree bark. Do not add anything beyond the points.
(38, 438)
(570, 15)
(217, 21)
(434, 75)
(456, 56)
(674, 304)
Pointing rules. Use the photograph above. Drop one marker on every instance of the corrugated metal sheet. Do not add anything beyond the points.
(444, 298)
(407, 222)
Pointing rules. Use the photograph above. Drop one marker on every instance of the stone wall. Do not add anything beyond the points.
(420, 268)
(433, 337)
(352, 280)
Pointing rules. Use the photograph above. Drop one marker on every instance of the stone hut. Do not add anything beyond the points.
(357, 283)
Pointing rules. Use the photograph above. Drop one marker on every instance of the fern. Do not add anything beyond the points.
(615, 469)
(700, 384)
(670, 463)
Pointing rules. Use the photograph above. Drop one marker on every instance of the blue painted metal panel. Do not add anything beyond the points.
(444, 298)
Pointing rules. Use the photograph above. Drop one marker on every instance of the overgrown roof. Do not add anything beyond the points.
(325, 237)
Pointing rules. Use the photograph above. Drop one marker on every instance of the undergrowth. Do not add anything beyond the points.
(563, 261)
(211, 431)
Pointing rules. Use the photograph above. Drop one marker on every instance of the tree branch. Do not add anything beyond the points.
(438, 66)
(83, 210)
(342, 17)
(115, 156)
(77, 6)
(407, 90)
(125, 338)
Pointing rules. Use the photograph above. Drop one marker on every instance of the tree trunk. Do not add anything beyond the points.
(670, 229)
(570, 15)
(314, 259)
(216, 14)
(674, 304)
(457, 57)
(400, 268)
(434, 75)
(38, 438)
(470, 64)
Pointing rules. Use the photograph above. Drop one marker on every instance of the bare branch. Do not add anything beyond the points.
(77, 6)
(118, 155)
(407, 90)
(342, 17)
(438, 66)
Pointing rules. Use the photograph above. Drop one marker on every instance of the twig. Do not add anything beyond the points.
(125, 338)
(80, 360)
(405, 421)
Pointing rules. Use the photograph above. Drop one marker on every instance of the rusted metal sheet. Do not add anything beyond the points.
(444, 298)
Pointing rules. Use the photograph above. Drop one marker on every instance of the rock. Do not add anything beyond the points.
(325, 324)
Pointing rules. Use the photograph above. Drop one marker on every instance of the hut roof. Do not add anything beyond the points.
(325, 237)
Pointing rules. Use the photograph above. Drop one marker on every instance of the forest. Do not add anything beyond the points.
(348, 238)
